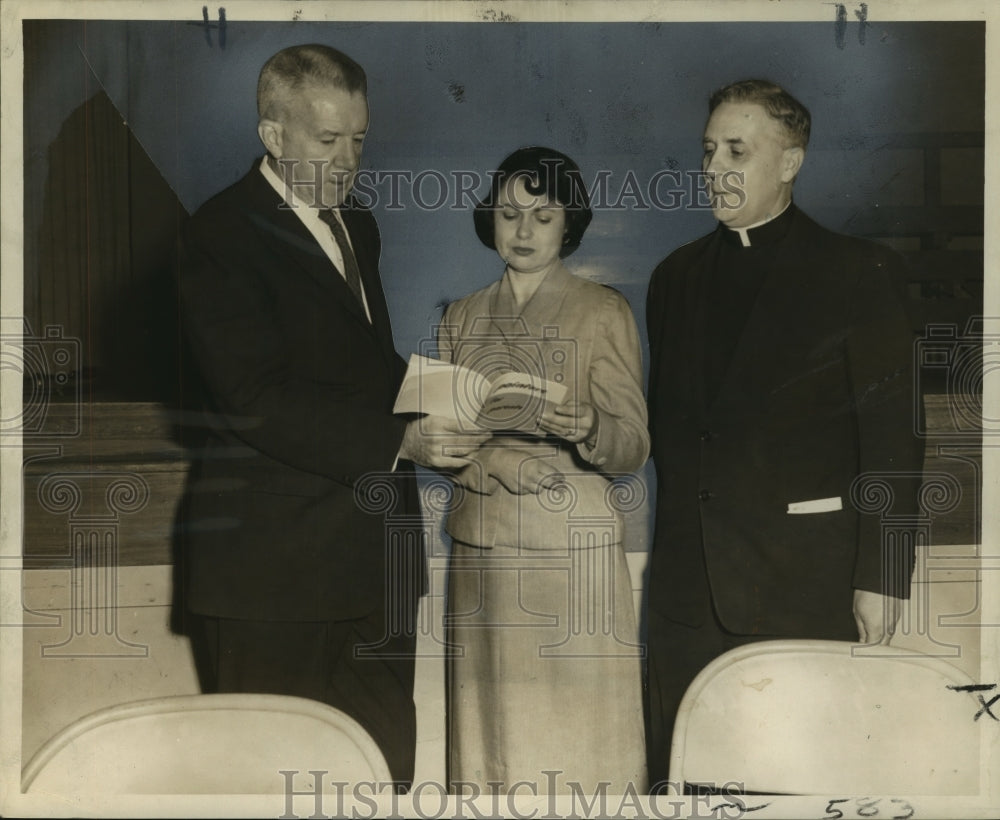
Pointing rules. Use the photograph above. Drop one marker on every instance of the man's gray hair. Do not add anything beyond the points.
(295, 67)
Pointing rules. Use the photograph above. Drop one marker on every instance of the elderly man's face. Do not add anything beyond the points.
(744, 151)
(319, 141)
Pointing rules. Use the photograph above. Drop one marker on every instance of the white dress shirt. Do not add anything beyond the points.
(316, 226)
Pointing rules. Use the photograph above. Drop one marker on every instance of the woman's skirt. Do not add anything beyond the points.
(545, 671)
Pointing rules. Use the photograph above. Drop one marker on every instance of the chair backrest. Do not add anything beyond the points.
(205, 744)
(813, 717)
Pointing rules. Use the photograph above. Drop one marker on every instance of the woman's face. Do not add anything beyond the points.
(528, 229)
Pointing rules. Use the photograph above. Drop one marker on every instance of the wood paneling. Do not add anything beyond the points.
(139, 446)
(134, 446)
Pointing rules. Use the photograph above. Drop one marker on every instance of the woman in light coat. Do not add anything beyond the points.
(544, 680)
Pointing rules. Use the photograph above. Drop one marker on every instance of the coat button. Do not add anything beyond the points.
(705, 495)
(705, 435)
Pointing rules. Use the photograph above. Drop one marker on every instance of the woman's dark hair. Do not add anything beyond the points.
(548, 173)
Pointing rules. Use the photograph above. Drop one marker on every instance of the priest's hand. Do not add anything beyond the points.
(876, 616)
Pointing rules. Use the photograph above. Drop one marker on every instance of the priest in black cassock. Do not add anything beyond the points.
(781, 370)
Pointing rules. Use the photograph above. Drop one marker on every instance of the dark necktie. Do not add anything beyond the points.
(351, 272)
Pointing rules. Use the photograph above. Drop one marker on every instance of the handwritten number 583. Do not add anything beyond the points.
(867, 807)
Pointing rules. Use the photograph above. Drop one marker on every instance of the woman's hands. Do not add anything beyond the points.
(523, 472)
(574, 421)
(520, 471)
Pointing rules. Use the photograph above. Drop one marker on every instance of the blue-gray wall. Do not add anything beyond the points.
(619, 98)
(626, 100)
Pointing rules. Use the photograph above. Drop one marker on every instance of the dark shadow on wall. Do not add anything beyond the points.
(105, 251)
(101, 230)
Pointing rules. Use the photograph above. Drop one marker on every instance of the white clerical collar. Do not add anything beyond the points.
(744, 232)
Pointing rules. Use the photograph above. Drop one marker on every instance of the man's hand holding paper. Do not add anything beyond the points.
(510, 400)
(440, 442)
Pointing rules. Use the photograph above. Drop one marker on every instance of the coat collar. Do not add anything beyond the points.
(763, 234)
(544, 303)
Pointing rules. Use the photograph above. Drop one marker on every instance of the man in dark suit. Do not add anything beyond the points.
(290, 583)
(780, 372)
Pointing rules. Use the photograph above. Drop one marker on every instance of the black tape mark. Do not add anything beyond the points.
(840, 28)
(207, 25)
(862, 15)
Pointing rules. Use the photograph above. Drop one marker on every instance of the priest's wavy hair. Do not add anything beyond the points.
(779, 104)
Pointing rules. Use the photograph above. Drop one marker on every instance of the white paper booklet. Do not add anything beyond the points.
(507, 401)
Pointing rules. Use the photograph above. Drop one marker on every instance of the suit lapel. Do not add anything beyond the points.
(283, 229)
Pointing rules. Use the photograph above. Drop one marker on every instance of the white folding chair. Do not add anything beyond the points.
(205, 744)
(811, 717)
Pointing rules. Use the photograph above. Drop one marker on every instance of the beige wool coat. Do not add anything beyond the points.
(575, 332)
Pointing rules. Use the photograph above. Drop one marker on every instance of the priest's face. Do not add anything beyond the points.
(749, 163)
